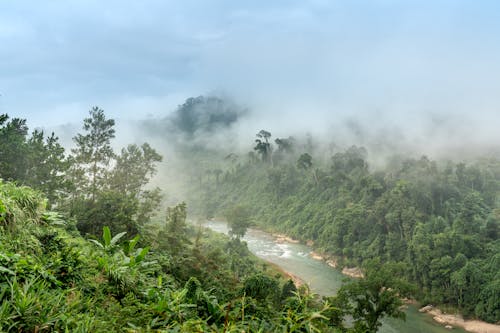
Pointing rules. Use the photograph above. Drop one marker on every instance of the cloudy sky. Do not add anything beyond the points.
(406, 62)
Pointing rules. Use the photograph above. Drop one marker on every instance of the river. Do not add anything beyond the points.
(323, 279)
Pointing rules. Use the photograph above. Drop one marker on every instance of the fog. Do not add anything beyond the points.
(419, 77)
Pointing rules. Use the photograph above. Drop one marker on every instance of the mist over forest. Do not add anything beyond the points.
(206, 133)
(250, 166)
(223, 126)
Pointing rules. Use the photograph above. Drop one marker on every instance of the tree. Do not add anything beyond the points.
(261, 287)
(13, 149)
(488, 306)
(285, 145)
(353, 158)
(109, 208)
(174, 232)
(93, 152)
(375, 296)
(283, 181)
(203, 114)
(239, 219)
(111, 196)
(304, 161)
(47, 166)
(492, 228)
(263, 147)
(37, 161)
(288, 290)
(217, 172)
(134, 168)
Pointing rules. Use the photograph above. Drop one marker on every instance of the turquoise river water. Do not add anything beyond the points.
(323, 279)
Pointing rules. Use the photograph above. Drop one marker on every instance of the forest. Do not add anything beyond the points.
(87, 245)
(250, 166)
(438, 222)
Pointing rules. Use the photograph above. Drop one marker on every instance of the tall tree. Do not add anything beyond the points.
(13, 149)
(239, 219)
(93, 152)
(304, 161)
(47, 165)
(285, 145)
(174, 232)
(263, 147)
(134, 168)
(377, 295)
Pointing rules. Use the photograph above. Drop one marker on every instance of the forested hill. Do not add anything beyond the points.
(86, 246)
(438, 220)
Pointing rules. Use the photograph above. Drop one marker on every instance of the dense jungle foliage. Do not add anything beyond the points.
(438, 220)
(83, 249)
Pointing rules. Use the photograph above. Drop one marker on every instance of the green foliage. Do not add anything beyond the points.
(104, 196)
(263, 146)
(93, 153)
(109, 244)
(108, 208)
(239, 219)
(20, 201)
(374, 297)
(13, 148)
(47, 166)
(134, 167)
(437, 227)
(288, 290)
(301, 314)
(203, 115)
(30, 307)
(261, 287)
(52, 280)
(438, 220)
(174, 231)
(304, 162)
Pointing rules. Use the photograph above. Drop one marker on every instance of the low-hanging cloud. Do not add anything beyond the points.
(418, 74)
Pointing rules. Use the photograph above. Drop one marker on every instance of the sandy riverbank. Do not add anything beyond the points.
(316, 256)
(296, 280)
(354, 272)
(280, 238)
(475, 326)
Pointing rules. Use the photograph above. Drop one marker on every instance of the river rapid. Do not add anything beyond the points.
(322, 279)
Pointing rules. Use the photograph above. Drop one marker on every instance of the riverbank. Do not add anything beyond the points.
(353, 272)
(451, 320)
(280, 238)
(447, 320)
(321, 279)
(294, 257)
(298, 282)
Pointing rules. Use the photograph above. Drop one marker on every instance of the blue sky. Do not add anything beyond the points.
(405, 62)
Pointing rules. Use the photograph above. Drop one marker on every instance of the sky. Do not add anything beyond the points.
(422, 66)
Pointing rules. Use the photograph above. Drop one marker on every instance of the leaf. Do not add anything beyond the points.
(106, 236)
(117, 237)
(53, 218)
(97, 243)
(132, 243)
(141, 254)
(6, 270)
(316, 315)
